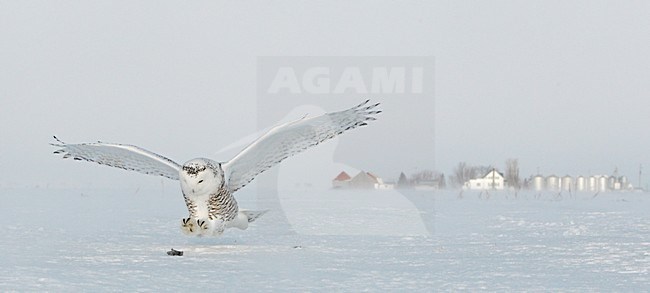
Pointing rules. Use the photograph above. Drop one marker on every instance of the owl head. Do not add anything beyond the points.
(200, 176)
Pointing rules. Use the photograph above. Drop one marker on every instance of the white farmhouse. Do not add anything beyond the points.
(491, 180)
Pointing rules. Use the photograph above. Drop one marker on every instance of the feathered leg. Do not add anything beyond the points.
(189, 226)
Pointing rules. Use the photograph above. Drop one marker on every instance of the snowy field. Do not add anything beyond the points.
(87, 240)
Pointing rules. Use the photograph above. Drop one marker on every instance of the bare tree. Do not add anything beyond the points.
(461, 174)
(512, 173)
(425, 175)
(429, 176)
(481, 170)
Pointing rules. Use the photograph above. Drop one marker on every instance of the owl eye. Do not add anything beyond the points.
(201, 181)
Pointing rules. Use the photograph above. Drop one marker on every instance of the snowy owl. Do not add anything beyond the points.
(207, 185)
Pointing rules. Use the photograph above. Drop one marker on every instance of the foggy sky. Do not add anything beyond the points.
(562, 86)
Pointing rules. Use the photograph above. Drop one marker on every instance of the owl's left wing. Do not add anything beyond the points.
(127, 157)
(288, 139)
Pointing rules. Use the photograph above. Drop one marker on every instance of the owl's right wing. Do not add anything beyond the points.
(127, 157)
(288, 139)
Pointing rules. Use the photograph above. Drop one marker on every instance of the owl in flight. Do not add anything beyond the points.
(208, 186)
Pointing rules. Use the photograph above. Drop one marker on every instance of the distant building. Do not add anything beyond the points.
(594, 183)
(611, 183)
(567, 183)
(538, 183)
(624, 184)
(492, 180)
(363, 180)
(341, 181)
(553, 183)
(581, 183)
(602, 183)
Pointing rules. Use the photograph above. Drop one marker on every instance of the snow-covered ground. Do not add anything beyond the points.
(63, 240)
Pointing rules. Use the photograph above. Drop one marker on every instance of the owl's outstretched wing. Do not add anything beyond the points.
(288, 139)
(127, 157)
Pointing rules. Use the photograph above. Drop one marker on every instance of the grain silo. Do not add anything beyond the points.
(592, 183)
(624, 182)
(611, 183)
(538, 183)
(552, 183)
(581, 183)
(602, 183)
(567, 183)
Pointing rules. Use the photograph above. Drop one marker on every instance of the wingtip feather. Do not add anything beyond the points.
(363, 104)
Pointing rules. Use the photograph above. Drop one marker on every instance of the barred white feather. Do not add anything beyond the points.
(127, 157)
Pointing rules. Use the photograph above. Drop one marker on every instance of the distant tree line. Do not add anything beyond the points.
(512, 174)
(422, 177)
(462, 173)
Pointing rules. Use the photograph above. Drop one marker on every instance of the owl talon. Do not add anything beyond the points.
(203, 225)
(188, 226)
